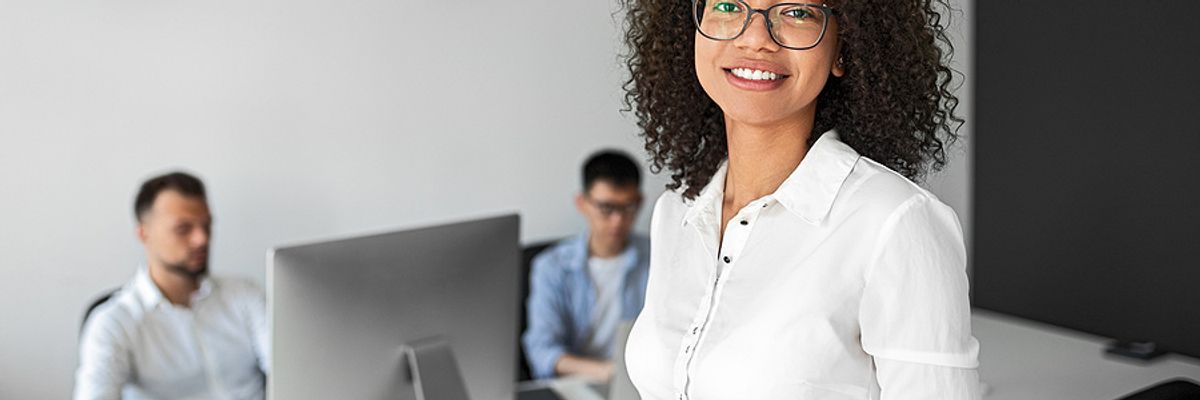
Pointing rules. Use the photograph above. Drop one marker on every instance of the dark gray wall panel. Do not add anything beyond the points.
(1087, 194)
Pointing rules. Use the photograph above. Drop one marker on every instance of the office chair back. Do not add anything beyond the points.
(527, 255)
(96, 303)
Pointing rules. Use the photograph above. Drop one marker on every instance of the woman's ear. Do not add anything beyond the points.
(839, 65)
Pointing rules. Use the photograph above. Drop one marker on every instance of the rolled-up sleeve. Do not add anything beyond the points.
(104, 365)
(545, 337)
(915, 313)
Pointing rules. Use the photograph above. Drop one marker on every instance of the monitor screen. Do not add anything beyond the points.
(342, 311)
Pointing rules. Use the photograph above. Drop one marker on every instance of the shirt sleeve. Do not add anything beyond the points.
(260, 333)
(915, 314)
(546, 309)
(906, 380)
(104, 359)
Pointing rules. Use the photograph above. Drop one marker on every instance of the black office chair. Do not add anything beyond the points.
(1175, 389)
(96, 303)
(527, 255)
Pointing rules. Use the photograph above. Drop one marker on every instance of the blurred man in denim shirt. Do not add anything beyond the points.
(583, 287)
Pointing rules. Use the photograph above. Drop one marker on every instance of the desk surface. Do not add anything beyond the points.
(567, 388)
(1025, 360)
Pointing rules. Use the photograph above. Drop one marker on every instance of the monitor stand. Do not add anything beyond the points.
(435, 374)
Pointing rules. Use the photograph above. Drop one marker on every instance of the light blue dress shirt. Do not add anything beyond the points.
(561, 298)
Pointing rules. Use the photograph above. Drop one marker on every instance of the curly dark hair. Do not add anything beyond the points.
(893, 104)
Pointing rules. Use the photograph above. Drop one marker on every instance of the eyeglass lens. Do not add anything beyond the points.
(608, 209)
(792, 25)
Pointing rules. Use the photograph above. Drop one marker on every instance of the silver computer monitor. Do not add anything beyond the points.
(343, 311)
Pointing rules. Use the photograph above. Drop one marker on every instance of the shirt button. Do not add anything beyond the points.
(727, 260)
(695, 329)
(745, 223)
(687, 349)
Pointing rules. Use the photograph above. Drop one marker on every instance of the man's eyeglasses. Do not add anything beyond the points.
(795, 26)
(609, 208)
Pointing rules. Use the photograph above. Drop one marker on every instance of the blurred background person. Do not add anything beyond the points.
(583, 287)
(174, 332)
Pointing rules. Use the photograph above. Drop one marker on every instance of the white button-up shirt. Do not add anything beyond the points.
(848, 282)
(138, 345)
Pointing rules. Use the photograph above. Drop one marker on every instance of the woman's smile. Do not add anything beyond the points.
(754, 79)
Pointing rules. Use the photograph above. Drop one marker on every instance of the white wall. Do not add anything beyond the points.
(307, 119)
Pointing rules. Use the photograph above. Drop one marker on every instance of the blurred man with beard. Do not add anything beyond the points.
(173, 332)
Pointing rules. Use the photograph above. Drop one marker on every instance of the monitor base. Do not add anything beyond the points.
(435, 373)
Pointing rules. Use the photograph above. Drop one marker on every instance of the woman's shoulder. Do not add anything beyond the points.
(672, 201)
(669, 212)
(671, 198)
(878, 189)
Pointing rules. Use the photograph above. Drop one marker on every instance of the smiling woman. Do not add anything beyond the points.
(794, 257)
(893, 105)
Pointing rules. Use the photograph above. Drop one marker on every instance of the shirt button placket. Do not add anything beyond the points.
(689, 343)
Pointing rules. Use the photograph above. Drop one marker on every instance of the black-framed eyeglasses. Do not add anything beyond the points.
(607, 209)
(796, 26)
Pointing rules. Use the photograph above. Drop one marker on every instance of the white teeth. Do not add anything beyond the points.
(754, 75)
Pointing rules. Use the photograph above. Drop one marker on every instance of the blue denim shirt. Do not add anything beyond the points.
(560, 301)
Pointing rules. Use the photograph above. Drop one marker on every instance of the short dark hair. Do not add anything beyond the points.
(181, 182)
(613, 166)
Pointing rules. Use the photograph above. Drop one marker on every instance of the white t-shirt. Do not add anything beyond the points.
(848, 282)
(606, 274)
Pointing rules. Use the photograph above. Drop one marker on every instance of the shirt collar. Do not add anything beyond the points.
(579, 252)
(808, 192)
(707, 205)
(205, 289)
(146, 290)
(151, 296)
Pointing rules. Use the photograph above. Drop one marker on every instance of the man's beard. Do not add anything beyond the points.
(182, 269)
